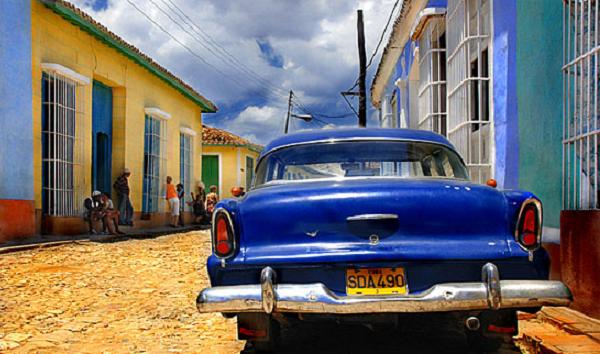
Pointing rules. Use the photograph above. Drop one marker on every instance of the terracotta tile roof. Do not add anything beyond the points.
(216, 136)
(106, 34)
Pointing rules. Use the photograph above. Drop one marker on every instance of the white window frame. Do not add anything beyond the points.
(152, 201)
(580, 105)
(247, 185)
(186, 164)
(468, 36)
(63, 141)
(432, 80)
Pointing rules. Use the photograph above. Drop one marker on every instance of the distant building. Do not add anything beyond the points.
(227, 160)
(78, 106)
(514, 86)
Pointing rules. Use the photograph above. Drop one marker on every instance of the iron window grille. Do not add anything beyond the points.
(186, 163)
(154, 164)
(580, 108)
(63, 124)
(432, 81)
(469, 121)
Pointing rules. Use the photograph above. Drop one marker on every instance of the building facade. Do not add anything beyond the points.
(513, 85)
(82, 105)
(228, 160)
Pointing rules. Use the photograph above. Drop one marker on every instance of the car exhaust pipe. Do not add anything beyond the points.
(472, 323)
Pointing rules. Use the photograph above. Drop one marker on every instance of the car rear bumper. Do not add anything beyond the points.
(490, 293)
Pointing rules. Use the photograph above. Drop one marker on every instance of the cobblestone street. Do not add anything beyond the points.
(139, 295)
(131, 296)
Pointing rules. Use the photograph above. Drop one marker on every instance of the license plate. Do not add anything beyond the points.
(375, 281)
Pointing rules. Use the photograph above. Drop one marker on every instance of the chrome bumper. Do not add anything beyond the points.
(490, 293)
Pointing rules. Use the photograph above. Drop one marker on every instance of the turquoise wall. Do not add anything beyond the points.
(539, 91)
(16, 130)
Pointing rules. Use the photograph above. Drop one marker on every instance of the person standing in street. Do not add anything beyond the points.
(121, 185)
(181, 197)
(173, 200)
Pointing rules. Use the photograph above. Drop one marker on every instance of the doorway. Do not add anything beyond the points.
(101, 137)
(210, 172)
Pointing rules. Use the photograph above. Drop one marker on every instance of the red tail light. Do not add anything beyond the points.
(529, 225)
(223, 236)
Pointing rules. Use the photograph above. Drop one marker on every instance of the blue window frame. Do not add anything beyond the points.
(152, 168)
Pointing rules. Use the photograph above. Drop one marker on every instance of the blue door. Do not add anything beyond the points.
(101, 137)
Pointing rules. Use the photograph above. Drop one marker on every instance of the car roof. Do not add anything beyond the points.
(355, 133)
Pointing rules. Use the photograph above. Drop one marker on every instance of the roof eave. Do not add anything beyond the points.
(394, 47)
(68, 14)
(249, 146)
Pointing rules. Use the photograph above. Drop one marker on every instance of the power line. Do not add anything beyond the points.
(383, 33)
(219, 48)
(378, 43)
(201, 58)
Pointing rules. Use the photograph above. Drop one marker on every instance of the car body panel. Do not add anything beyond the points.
(440, 230)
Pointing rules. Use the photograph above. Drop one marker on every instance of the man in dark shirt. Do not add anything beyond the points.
(121, 185)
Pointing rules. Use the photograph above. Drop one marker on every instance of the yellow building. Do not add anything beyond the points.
(227, 160)
(101, 106)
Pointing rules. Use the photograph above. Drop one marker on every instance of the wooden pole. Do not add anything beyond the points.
(362, 56)
(289, 112)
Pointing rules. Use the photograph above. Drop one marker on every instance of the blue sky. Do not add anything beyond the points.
(248, 55)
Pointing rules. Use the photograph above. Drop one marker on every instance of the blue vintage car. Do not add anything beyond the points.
(359, 223)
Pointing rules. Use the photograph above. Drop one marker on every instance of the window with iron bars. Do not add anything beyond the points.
(185, 164)
(432, 85)
(154, 165)
(62, 146)
(469, 118)
(580, 109)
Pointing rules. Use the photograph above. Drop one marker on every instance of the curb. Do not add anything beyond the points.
(135, 235)
(18, 248)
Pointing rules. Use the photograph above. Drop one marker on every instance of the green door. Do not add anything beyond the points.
(210, 171)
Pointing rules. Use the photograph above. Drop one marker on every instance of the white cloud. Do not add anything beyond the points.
(316, 38)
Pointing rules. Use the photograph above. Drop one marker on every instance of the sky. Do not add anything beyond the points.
(245, 56)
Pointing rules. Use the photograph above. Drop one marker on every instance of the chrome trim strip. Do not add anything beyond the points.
(317, 298)
(362, 217)
(212, 231)
(538, 205)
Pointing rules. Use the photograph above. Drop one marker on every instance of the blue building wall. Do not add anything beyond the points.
(539, 90)
(504, 74)
(16, 131)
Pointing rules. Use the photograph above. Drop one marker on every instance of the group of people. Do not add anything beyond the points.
(99, 207)
(202, 204)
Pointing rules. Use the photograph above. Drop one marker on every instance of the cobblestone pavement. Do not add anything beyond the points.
(131, 296)
(138, 296)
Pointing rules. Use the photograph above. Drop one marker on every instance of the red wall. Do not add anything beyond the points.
(580, 258)
(17, 219)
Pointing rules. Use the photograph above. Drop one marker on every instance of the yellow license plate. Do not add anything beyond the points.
(375, 281)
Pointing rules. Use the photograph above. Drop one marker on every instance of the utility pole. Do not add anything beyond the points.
(287, 120)
(362, 57)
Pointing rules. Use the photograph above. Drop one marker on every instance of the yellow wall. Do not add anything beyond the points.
(233, 166)
(55, 40)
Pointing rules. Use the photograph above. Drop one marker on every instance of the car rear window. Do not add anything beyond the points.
(352, 159)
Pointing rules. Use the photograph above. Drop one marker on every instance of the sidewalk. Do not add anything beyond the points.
(558, 330)
(41, 241)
